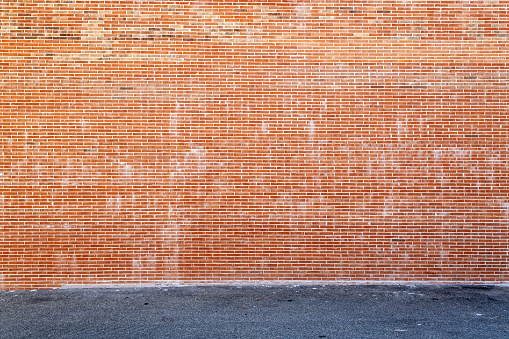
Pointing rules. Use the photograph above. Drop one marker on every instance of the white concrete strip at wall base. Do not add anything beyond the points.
(285, 283)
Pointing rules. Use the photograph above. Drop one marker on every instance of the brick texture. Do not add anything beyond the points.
(204, 141)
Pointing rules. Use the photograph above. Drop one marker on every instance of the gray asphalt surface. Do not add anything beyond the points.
(287, 311)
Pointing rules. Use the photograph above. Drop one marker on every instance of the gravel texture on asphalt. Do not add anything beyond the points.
(259, 311)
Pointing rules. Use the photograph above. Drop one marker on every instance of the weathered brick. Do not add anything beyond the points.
(201, 141)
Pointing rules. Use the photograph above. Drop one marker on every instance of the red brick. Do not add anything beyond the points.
(202, 141)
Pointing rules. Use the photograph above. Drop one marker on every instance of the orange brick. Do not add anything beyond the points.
(205, 141)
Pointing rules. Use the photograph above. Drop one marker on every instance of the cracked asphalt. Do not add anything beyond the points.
(258, 311)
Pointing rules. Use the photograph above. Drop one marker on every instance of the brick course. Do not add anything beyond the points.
(205, 141)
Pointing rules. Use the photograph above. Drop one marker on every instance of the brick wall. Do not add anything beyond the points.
(199, 141)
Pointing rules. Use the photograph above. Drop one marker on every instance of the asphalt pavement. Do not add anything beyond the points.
(260, 311)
